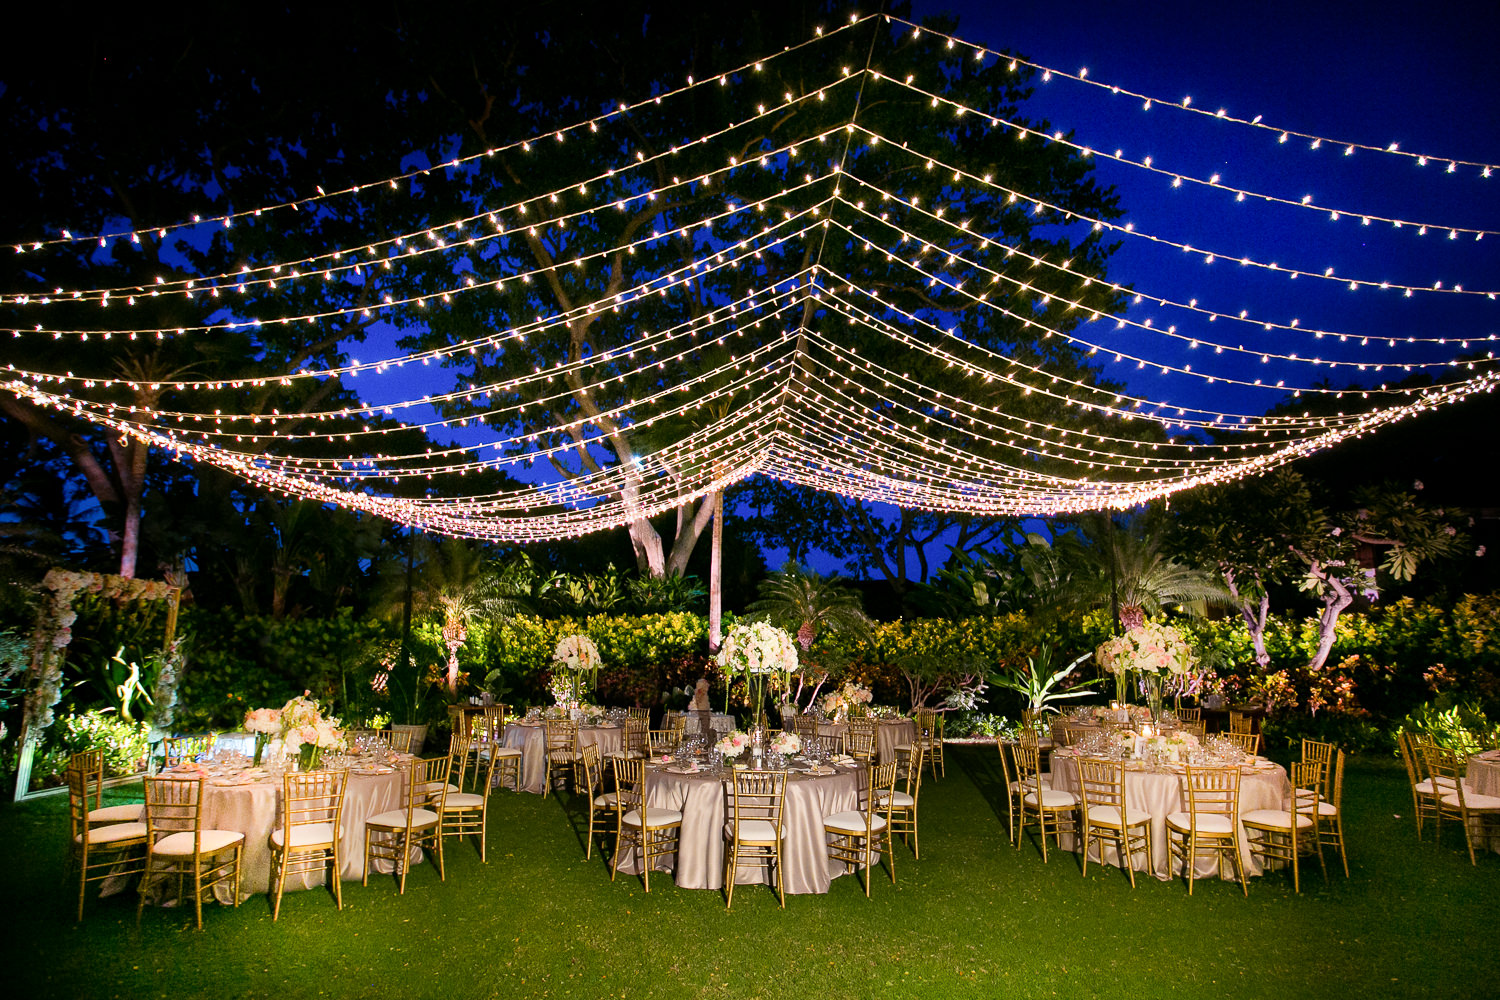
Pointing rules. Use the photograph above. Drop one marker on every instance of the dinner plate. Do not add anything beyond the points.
(685, 770)
(372, 770)
(819, 771)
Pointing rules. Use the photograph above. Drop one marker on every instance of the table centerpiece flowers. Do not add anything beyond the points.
(264, 723)
(760, 651)
(733, 743)
(1153, 651)
(786, 744)
(577, 663)
(838, 704)
(306, 730)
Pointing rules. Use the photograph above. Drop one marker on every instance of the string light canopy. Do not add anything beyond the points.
(852, 265)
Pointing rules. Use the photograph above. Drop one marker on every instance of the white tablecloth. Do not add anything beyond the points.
(531, 740)
(1262, 787)
(702, 799)
(889, 734)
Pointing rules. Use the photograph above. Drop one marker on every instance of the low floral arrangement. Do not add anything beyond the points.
(265, 723)
(1174, 746)
(302, 726)
(786, 744)
(733, 744)
(845, 698)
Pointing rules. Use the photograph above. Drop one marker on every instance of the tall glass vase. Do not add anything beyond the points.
(1151, 683)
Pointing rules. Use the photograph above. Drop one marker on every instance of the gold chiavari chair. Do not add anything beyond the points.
(643, 714)
(860, 739)
(930, 734)
(399, 740)
(1239, 722)
(755, 831)
(1331, 811)
(466, 813)
(417, 825)
(177, 845)
(504, 761)
(98, 852)
(1287, 834)
(902, 806)
(1247, 742)
(1107, 817)
(1210, 823)
(1189, 714)
(601, 804)
(1198, 729)
(310, 833)
(176, 749)
(1424, 794)
(654, 833)
(807, 730)
(637, 737)
(562, 750)
(1471, 810)
(90, 763)
(1014, 789)
(854, 835)
(1040, 801)
(1314, 751)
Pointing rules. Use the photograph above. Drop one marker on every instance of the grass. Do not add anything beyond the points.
(973, 918)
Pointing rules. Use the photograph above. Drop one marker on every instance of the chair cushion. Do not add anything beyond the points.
(1110, 816)
(210, 842)
(1425, 786)
(306, 834)
(754, 831)
(1474, 801)
(659, 818)
(1276, 819)
(499, 752)
(395, 819)
(899, 800)
(118, 814)
(1213, 824)
(606, 801)
(114, 833)
(851, 821)
(1017, 787)
(1052, 799)
(463, 800)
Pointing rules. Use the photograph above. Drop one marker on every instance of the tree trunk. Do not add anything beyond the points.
(1254, 616)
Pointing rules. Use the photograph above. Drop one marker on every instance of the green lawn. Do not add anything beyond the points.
(973, 918)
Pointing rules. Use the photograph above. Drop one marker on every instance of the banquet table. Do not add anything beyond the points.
(889, 734)
(1483, 776)
(1263, 785)
(531, 740)
(250, 803)
(718, 723)
(702, 798)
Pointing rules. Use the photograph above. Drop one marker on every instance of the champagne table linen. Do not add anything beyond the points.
(703, 800)
(1263, 786)
(531, 740)
(1483, 777)
(889, 734)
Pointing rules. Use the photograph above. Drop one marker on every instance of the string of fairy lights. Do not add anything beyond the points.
(671, 320)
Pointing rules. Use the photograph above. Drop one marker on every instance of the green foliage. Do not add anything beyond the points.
(125, 745)
(241, 662)
(1462, 728)
(1040, 684)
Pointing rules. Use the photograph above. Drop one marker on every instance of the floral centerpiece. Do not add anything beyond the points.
(732, 744)
(1172, 746)
(306, 730)
(839, 703)
(1152, 650)
(578, 661)
(786, 744)
(264, 723)
(759, 650)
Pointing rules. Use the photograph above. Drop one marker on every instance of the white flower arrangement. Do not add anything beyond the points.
(1151, 648)
(786, 744)
(758, 648)
(577, 654)
(263, 721)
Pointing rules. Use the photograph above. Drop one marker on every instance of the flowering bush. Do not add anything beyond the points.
(733, 744)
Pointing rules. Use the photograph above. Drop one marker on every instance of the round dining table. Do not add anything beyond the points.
(531, 739)
(703, 799)
(1263, 785)
(249, 801)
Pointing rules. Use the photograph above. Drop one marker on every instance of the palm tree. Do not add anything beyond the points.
(805, 603)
